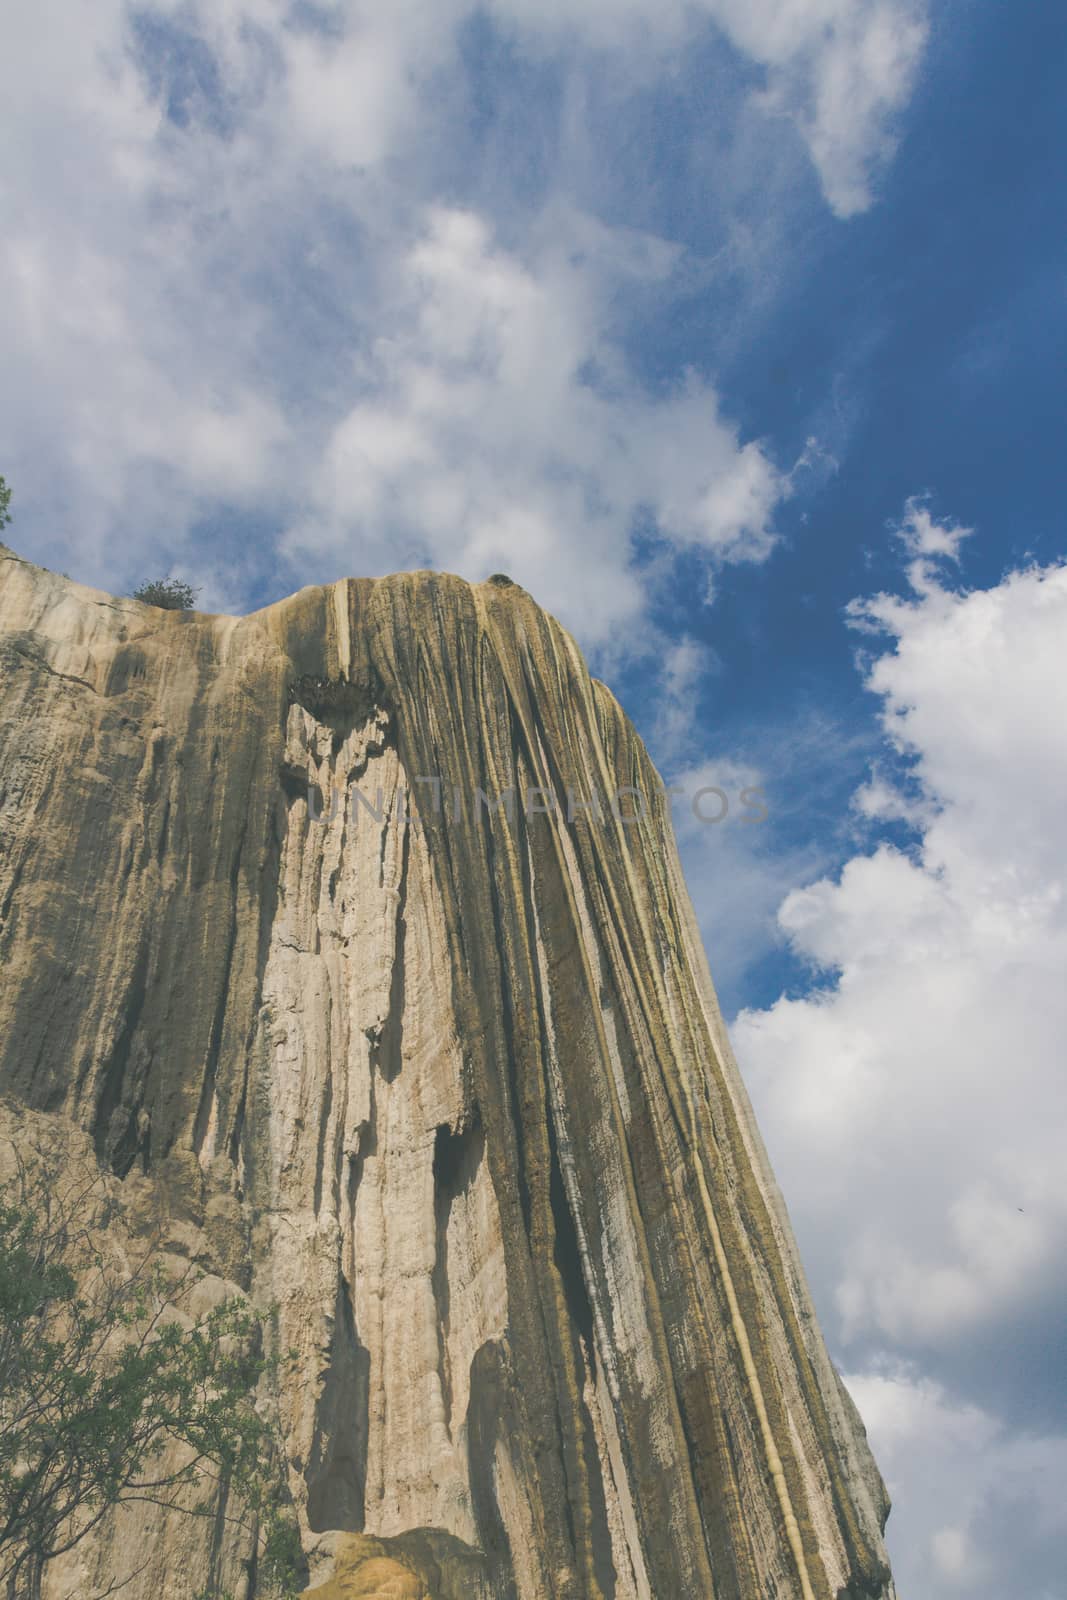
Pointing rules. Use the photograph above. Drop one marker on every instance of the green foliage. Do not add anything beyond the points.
(169, 594)
(5, 501)
(110, 1394)
(282, 1558)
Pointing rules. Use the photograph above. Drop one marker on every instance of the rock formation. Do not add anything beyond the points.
(351, 936)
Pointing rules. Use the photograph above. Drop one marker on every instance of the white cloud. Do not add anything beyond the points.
(232, 284)
(978, 1510)
(684, 663)
(938, 1049)
(358, 90)
(914, 1105)
(923, 535)
(839, 70)
(863, 73)
(482, 441)
(928, 542)
(726, 825)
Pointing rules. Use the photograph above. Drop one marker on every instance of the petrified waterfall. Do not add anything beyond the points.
(351, 936)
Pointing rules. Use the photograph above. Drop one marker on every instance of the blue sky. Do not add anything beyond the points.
(734, 330)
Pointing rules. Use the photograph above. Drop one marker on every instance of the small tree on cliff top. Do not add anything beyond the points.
(108, 1395)
(5, 501)
(170, 594)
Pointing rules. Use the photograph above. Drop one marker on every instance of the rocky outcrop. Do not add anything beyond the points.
(423, 1565)
(354, 929)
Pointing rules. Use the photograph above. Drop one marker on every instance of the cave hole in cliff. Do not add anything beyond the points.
(296, 785)
(336, 1474)
(341, 704)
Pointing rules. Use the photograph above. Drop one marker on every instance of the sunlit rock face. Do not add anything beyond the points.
(352, 932)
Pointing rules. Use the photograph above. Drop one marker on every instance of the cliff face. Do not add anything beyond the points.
(451, 1089)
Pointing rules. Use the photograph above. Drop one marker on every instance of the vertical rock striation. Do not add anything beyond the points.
(437, 1073)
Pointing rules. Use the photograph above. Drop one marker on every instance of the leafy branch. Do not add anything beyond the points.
(112, 1394)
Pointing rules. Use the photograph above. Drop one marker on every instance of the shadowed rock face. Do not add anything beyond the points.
(452, 1090)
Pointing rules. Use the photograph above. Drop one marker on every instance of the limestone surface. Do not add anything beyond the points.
(350, 937)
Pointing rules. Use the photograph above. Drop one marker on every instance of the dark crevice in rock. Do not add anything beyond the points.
(127, 856)
(13, 884)
(859, 1588)
(211, 1064)
(218, 1533)
(114, 1126)
(324, 1128)
(337, 1469)
(164, 831)
(567, 1257)
(391, 1048)
(637, 1019)
(38, 659)
(335, 872)
(561, 1332)
(566, 1252)
(710, 1473)
(604, 1554)
(366, 1145)
(133, 1143)
(489, 1417)
(270, 879)
(457, 1157)
(508, 1028)
(383, 836)
(129, 667)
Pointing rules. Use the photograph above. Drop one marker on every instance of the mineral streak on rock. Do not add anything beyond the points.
(450, 1090)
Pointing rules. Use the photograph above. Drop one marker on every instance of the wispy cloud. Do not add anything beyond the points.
(840, 71)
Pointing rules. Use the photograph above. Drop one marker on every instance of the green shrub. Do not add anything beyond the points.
(169, 594)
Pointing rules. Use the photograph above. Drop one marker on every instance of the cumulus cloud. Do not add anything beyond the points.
(922, 534)
(927, 541)
(496, 429)
(941, 1036)
(914, 1102)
